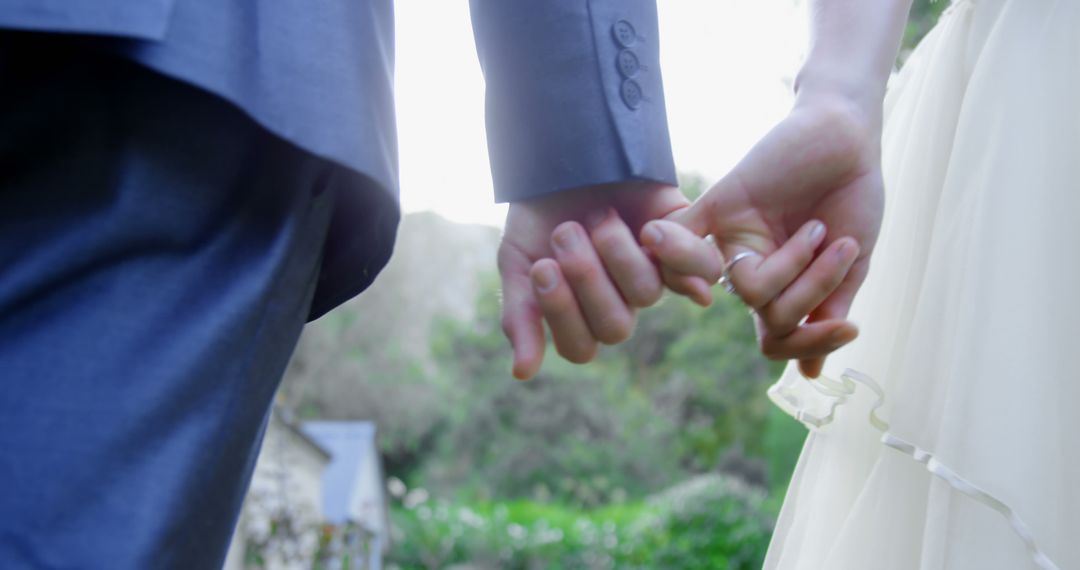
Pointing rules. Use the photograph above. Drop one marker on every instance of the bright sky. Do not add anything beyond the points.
(727, 65)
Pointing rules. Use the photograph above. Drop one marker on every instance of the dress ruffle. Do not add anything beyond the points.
(841, 391)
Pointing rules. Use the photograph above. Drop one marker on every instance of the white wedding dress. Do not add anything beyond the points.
(949, 434)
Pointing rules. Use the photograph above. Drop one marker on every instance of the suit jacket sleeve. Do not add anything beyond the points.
(574, 94)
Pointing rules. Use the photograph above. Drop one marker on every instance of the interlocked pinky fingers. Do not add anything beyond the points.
(759, 279)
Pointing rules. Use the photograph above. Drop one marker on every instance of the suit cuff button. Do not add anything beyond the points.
(624, 33)
(631, 93)
(628, 64)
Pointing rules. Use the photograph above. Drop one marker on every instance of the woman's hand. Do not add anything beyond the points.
(821, 163)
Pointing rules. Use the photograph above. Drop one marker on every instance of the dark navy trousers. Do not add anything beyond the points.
(158, 255)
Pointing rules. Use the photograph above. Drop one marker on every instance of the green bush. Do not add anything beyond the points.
(708, 522)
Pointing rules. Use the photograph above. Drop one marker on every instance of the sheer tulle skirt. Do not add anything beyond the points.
(954, 440)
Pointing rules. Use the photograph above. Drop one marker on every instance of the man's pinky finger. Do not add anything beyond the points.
(690, 286)
(521, 319)
(526, 334)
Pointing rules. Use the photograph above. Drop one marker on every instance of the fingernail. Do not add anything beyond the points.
(652, 235)
(843, 336)
(843, 252)
(595, 218)
(817, 229)
(545, 279)
(565, 237)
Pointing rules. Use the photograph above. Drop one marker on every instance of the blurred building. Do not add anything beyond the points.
(316, 497)
(354, 494)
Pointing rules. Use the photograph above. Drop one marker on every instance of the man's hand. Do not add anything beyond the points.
(573, 259)
(821, 163)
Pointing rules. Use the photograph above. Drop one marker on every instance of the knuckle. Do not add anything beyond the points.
(614, 329)
(692, 254)
(607, 239)
(781, 327)
(777, 321)
(507, 327)
(752, 296)
(771, 286)
(683, 287)
(567, 227)
(802, 256)
(823, 287)
(621, 260)
(577, 352)
(714, 267)
(509, 256)
(579, 271)
(644, 292)
(771, 349)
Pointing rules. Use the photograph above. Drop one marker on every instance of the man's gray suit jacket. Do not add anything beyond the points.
(574, 94)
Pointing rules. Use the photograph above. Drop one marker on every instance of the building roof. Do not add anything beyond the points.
(285, 419)
(350, 445)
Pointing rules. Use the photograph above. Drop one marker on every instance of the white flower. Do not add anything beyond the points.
(516, 531)
(396, 487)
(415, 497)
(470, 518)
(549, 535)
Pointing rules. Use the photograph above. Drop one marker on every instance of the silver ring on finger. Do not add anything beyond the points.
(725, 279)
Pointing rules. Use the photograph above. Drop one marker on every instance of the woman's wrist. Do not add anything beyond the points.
(863, 88)
(859, 97)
